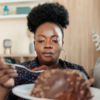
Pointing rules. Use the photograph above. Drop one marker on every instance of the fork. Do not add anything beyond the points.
(21, 66)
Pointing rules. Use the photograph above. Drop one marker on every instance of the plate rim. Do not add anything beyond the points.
(27, 97)
(35, 98)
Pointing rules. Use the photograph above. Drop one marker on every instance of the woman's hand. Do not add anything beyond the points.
(7, 73)
(43, 67)
(91, 81)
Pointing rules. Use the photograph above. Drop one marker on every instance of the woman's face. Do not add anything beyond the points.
(48, 43)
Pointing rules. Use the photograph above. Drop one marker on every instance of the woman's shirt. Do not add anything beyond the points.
(26, 77)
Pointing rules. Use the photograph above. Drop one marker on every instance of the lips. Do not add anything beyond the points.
(47, 54)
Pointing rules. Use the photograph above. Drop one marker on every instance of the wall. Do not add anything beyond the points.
(15, 29)
(84, 16)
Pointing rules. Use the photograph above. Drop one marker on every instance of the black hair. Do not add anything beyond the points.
(48, 12)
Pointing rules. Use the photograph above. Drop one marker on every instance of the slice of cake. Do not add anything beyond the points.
(62, 85)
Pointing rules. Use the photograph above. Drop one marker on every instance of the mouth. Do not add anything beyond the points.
(47, 54)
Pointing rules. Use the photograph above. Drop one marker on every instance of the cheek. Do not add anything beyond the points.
(59, 46)
(38, 47)
(58, 49)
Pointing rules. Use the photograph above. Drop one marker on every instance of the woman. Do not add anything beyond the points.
(46, 22)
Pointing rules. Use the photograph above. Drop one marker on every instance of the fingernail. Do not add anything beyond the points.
(14, 70)
(12, 66)
(10, 75)
(16, 74)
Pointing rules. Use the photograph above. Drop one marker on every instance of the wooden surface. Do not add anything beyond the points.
(84, 16)
(19, 57)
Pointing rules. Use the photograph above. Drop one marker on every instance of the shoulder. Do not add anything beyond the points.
(75, 66)
(72, 65)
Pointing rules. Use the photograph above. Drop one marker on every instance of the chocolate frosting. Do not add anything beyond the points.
(62, 85)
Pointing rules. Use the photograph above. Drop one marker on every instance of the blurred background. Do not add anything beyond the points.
(84, 17)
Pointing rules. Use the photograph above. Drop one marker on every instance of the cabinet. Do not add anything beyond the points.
(14, 18)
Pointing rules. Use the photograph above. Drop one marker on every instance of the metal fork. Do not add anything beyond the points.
(21, 66)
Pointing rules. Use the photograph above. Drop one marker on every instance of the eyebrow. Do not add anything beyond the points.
(54, 35)
(41, 35)
(51, 36)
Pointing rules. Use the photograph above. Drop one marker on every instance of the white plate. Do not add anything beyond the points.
(24, 91)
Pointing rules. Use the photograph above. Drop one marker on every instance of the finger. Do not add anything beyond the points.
(7, 71)
(44, 67)
(7, 77)
(36, 69)
(5, 66)
(91, 81)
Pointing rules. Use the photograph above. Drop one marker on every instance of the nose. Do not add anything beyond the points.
(48, 45)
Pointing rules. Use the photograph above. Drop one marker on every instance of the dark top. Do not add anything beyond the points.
(26, 77)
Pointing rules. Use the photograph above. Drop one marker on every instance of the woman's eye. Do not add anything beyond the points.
(55, 41)
(40, 41)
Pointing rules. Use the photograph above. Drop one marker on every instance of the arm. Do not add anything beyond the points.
(90, 80)
(78, 67)
(83, 70)
(4, 93)
(7, 73)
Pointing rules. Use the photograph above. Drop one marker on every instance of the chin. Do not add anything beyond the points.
(48, 60)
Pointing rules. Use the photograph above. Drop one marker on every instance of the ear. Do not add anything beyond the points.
(62, 43)
(34, 44)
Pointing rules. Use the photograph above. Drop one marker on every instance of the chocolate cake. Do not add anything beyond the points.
(60, 84)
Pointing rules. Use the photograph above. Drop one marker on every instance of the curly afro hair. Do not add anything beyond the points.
(48, 12)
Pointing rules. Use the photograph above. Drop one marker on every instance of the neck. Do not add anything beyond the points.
(51, 65)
